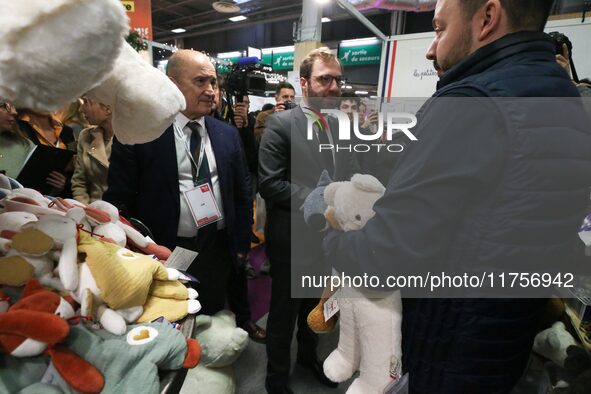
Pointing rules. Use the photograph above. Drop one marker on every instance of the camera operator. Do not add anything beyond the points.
(564, 58)
(284, 100)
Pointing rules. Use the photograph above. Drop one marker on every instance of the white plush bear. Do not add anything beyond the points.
(553, 342)
(370, 332)
(53, 51)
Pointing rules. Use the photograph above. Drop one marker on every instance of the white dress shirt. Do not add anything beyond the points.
(182, 137)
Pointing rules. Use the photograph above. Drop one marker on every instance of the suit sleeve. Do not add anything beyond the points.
(242, 195)
(123, 179)
(275, 184)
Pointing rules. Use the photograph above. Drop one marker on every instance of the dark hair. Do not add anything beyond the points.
(350, 97)
(283, 85)
(267, 107)
(523, 14)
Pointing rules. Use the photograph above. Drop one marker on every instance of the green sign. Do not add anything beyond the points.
(283, 61)
(360, 55)
(223, 69)
(267, 58)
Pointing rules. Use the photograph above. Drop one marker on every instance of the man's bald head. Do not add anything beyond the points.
(179, 61)
(195, 76)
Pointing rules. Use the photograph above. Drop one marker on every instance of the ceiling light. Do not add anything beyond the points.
(228, 55)
(179, 30)
(322, 1)
(325, 19)
(348, 87)
(237, 18)
(359, 41)
(361, 92)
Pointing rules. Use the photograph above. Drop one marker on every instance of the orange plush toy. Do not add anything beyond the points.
(36, 325)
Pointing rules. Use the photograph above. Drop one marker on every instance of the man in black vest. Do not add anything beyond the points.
(502, 187)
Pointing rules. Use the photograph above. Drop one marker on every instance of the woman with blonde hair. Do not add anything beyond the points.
(94, 149)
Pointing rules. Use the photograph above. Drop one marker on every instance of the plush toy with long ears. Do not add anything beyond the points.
(37, 325)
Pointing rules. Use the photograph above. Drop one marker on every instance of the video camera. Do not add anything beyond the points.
(560, 39)
(247, 77)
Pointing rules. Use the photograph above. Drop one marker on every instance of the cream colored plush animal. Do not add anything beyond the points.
(370, 337)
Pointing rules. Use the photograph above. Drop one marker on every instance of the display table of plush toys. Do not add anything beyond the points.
(86, 301)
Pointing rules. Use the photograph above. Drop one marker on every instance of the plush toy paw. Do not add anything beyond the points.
(111, 320)
(192, 293)
(337, 367)
(330, 216)
(316, 320)
(173, 274)
(193, 306)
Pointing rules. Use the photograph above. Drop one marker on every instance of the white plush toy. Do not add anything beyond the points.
(553, 342)
(370, 333)
(53, 51)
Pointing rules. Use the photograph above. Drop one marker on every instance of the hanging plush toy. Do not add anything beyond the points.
(370, 333)
(52, 52)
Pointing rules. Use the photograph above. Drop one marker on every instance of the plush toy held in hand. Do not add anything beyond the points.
(370, 333)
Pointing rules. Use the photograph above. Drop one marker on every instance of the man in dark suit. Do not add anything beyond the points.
(289, 168)
(149, 182)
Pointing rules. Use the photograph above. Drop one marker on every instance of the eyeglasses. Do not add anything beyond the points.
(7, 107)
(326, 80)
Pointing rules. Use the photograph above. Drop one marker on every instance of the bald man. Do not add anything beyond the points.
(156, 183)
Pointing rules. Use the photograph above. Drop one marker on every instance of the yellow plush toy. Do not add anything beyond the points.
(117, 286)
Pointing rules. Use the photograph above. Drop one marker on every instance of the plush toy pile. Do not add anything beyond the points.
(81, 278)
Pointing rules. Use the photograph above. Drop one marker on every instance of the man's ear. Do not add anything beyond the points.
(303, 84)
(489, 21)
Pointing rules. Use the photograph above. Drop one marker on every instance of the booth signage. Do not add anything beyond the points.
(360, 55)
(283, 61)
(139, 13)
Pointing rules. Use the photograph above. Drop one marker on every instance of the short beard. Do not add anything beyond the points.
(459, 52)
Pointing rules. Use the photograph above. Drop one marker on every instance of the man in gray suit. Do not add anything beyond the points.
(289, 168)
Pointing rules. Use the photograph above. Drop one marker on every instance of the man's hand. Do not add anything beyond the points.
(372, 119)
(56, 180)
(279, 107)
(563, 60)
(241, 115)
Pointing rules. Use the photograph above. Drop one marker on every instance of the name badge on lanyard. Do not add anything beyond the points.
(200, 199)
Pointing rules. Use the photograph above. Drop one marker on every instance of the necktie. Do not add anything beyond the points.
(195, 145)
(326, 153)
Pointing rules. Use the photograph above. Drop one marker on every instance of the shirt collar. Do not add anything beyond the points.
(181, 121)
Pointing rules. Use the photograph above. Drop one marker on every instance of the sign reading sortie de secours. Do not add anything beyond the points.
(359, 55)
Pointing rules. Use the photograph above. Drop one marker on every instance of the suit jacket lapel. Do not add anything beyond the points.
(299, 129)
(217, 146)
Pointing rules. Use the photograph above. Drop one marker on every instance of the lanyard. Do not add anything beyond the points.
(194, 166)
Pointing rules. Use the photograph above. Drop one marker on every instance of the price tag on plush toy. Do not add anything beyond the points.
(203, 206)
(331, 306)
(181, 258)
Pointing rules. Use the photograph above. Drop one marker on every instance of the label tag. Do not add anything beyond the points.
(331, 306)
(181, 258)
(202, 204)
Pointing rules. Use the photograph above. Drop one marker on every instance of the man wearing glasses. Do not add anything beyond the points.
(289, 168)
